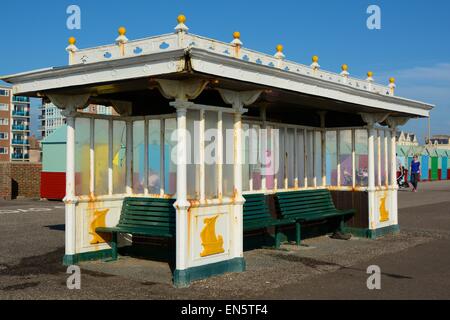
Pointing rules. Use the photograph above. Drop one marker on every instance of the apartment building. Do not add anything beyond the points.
(51, 117)
(14, 126)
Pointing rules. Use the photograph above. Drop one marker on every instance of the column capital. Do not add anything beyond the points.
(69, 103)
(181, 89)
(394, 122)
(372, 118)
(239, 99)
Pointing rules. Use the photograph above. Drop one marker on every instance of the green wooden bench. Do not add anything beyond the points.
(308, 206)
(151, 217)
(257, 216)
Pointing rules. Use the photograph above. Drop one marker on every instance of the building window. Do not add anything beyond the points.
(4, 122)
(4, 93)
(3, 150)
(4, 107)
(3, 136)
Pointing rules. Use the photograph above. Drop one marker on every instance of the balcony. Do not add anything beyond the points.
(19, 156)
(21, 99)
(20, 113)
(20, 142)
(20, 127)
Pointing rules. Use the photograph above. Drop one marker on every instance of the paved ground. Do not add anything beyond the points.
(415, 264)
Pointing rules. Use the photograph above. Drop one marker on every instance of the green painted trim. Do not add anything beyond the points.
(372, 234)
(69, 260)
(183, 278)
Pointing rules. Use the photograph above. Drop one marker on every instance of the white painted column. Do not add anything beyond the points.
(146, 156)
(371, 180)
(129, 157)
(202, 155)
(70, 218)
(92, 158)
(305, 158)
(162, 158)
(219, 155)
(237, 231)
(378, 164)
(353, 158)
(393, 183)
(285, 158)
(182, 205)
(386, 158)
(110, 156)
(338, 157)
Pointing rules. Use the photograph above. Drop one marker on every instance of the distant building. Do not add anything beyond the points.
(14, 126)
(407, 139)
(440, 140)
(51, 117)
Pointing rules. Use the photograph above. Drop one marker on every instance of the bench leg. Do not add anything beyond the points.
(342, 225)
(114, 246)
(277, 238)
(298, 233)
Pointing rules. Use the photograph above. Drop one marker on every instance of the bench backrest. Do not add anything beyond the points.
(154, 213)
(300, 203)
(256, 209)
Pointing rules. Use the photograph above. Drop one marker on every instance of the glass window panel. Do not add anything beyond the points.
(193, 169)
(331, 158)
(290, 157)
(138, 157)
(318, 157)
(101, 156)
(228, 146)
(119, 157)
(154, 156)
(270, 165)
(255, 157)
(361, 152)
(301, 158)
(345, 157)
(211, 155)
(171, 168)
(383, 157)
(310, 157)
(82, 158)
(246, 157)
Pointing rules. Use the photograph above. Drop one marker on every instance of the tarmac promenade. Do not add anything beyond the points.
(415, 264)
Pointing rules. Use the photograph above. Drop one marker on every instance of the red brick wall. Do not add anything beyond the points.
(20, 180)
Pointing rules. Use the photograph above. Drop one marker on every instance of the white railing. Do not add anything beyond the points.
(170, 42)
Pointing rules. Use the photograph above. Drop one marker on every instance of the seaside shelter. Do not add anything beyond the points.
(208, 134)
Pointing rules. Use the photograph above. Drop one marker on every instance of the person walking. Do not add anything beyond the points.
(415, 172)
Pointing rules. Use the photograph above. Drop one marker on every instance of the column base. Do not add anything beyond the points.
(183, 278)
(373, 234)
(72, 259)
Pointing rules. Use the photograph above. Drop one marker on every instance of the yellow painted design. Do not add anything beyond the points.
(98, 220)
(211, 243)
(315, 59)
(344, 67)
(384, 213)
(72, 40)
(370, 74)
(279, 48)
(236, 34)
(392, 80)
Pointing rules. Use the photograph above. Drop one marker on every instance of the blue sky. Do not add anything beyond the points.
(411, 45)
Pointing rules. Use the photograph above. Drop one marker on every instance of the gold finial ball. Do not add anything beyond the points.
(236, 34)
(315, 59)
(344, 67)
(391, 80)
(122, 31)
(181, 18)
(370, 74)
(279, 48)
(72, 41)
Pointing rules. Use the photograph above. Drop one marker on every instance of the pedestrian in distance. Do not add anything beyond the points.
(415, 172)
